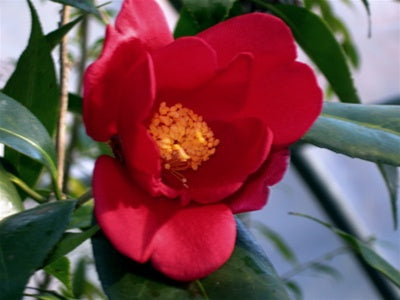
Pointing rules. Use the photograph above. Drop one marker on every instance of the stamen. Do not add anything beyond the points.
(184, 139)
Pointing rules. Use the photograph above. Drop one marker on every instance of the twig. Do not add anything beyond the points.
(64, 74)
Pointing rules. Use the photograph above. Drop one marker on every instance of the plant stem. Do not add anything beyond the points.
(64, 74)
(84, 198)
(202, 289)
(23, 186)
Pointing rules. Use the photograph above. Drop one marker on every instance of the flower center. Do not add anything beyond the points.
(184, 139)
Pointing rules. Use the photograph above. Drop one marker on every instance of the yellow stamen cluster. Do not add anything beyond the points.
(184, 139)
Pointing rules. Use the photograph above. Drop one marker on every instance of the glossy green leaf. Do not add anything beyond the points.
(391, 176)
(85, 5)
(23, 132)
(327, 54)
(367, 253)
(82, 216)
(61, 269)
(10, 202)
(26, 239)
(198, 15)
(69, 242)
(34, 84)
(54, 38)
(247, 275)
(370, 132)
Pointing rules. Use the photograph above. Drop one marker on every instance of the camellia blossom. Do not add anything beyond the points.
(200, 127)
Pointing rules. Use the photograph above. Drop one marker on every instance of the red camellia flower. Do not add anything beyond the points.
(199, 127)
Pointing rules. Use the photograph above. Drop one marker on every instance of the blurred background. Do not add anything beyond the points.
(320, 264)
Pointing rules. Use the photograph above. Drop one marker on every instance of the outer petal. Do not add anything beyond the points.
(185, 243)
(104, 82)
(287, 98)
(144, 19)
(254, 193)
(244, 146)
(184, 64)
(267, 37)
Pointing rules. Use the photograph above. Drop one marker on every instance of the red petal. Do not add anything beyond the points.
(265, 36)
(254, 193)
(144, 19)
(244, 146)
(105, 80)
(185, 243)
(288, 99)
(222, 97)
(184, 64)
(195, 242)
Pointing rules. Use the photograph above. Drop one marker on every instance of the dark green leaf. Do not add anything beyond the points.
(295, 289)
(22, 131)
(391, 176)
(79, 278)
(277, 241)
(61, 269)
(10, 202)
(197, 15)
(327, 54)
(247, 275)
(85, 5)
(75, 103)
(369, 132)
(26, 239)
(369, 255)
(34, 84)
(54, 38)
(69, 242)
(82, 217)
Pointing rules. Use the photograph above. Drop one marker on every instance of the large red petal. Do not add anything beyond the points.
(185, 243)
(195, 242)
(253, 195)
(244, 146)
(104, 82)
(265, 36)
(144, 19)
(287, 98)
(223, 97)
(184, 64)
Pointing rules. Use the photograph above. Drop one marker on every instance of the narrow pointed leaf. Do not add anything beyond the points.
(368, 254)
(391, 176)
(247, 275)
(23, 132)
(26, 239)
(369, 132)
(61, 269)
(54, 38)
(85, 5)
(68, 242)
(10, 202)
(198, 15)
(327, 54)
(34, 84)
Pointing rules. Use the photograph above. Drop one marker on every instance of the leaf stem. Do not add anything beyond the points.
(84, 198)
(23, 186)
(64, 74)
(202, 289)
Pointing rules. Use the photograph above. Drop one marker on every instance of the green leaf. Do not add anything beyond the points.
(79, 281)
(369, 255)
(61, 269)
(326, 53)
(82, 216)
(247, 275)
(198, 15)
(34, 84)
(75, 103)
(391, 176)
(324, 268)
(69, 242)
(85, 5)
(370, 132)
(277, 241)
(23, 132)
(54, 38)
(25, 240)
(10, 202)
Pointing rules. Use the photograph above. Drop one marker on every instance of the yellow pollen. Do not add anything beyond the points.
(184, 139)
